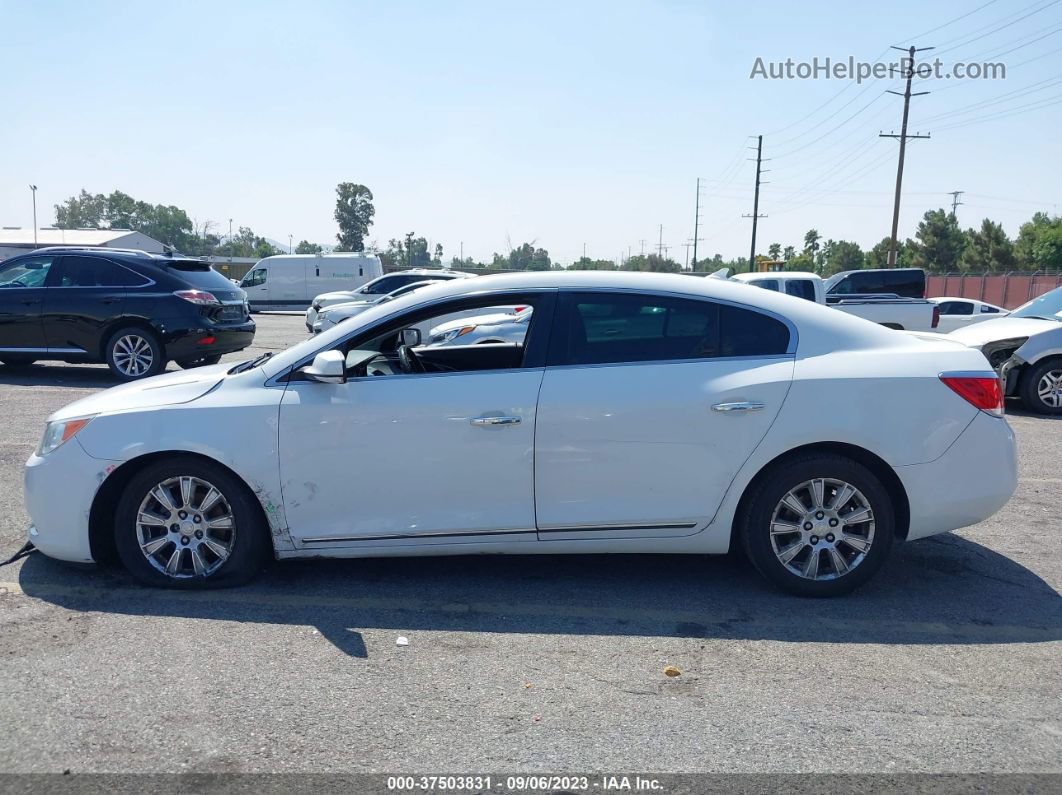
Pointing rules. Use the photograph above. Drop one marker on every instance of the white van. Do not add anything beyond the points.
(290, 281)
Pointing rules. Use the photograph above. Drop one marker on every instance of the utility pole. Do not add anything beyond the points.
(903, 136)
(584, 250)
(687, 244)
(230, 244)
(756, 201)
(33, 190)
(660, 243)
(955, 194)
(696, 225)
(643, 246)
(289, 243)
(462, 251)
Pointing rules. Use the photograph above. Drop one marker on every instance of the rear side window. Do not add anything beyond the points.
(767, 284)
(986, 309)
(94, 272)
(602, 328)
(956, 308)
(801, 288)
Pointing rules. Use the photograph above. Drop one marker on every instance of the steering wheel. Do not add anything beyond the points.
(409, 361)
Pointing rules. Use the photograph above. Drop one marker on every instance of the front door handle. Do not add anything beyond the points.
(482, 422)
(744, 405)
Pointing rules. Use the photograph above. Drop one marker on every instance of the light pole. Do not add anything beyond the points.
(33, 190)
(289, 243)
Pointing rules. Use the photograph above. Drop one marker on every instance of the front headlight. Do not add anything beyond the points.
(452, 334)
(55, 433)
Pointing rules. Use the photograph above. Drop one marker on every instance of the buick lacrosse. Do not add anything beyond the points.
(638, 413)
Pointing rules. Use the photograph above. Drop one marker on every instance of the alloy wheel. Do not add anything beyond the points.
(1049, 389)
(133, 355)
(822, 529)
(185, 527)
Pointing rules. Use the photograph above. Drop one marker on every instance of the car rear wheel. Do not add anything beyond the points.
(1041, 388)
(818, 525)
(188, 523)
(134, 353)
(188, 364)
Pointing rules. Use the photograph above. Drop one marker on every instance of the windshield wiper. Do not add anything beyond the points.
(255, 362)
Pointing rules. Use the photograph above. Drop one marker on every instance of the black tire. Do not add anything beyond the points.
(755, 525)
(151, 360)
(188, 364)
(1029, 387)
(249, 544)
(17, 361)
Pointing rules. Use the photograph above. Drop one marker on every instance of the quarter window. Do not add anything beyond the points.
(602, 328)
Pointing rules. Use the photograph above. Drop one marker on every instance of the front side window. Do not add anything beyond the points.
(602, 328)
(28, 272)
(254, 278)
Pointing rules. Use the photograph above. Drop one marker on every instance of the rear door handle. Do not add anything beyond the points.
(744, 405)
(482, 422)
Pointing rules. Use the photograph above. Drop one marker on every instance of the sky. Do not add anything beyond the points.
(483, 125)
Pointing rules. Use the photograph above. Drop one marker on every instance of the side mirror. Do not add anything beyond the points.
(329, 367)
(410, 337)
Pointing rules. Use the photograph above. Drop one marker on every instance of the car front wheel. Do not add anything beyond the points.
(189, 523)
(818, 525)
(1041, 388)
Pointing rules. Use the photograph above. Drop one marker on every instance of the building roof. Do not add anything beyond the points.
(49, 236)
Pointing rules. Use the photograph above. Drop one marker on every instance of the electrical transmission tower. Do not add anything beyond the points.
(903, 136)
(955, 194)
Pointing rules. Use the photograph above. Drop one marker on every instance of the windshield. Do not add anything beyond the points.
(1048, 305)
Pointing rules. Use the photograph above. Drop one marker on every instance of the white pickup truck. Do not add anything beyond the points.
(888, 309)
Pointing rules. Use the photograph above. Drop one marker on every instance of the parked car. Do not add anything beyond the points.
(510, 326)
(378, 288)
(902, 282)
(1025, 348)
(891, 310)
(337, 313)
(643, 413)
(290, 281)
(131, 310)
(957, 313)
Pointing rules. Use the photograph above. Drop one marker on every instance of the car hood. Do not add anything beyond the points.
(347, 309)
(167, 389)
(338, 295)
(1003, 328)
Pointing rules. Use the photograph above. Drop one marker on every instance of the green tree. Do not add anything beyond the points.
(987, 249)
(811, 241)
(84, 211)
(878, 256)
(940, 242)
(306, 247)
(1028, 252)
(1047, 253)
(774, 251)
(354, 213)
(652, 262)
(525, 257)
(788, 253)
(843, 256)
(410, 252)
(587, 264)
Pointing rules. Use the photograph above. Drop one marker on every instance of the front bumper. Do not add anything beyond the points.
(60, 488)
(966, 485)
(189, 343)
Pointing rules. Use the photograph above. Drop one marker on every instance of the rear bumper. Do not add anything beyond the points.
(966, 485)
(191, 343)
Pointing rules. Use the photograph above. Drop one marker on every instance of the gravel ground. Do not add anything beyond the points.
(948, 662)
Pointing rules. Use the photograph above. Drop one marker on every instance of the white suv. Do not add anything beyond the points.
(373, 291)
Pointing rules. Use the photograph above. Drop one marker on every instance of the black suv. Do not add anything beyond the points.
(132, 310)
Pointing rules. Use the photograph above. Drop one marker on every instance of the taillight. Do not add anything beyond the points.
(200, 297)
(980, 390)
(936, 315)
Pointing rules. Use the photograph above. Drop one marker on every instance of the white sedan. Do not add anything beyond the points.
(957, 313)
(505, 326)
(642, 413)
(335, 314)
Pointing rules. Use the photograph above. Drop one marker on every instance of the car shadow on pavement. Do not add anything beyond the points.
(943, 590)
(53, 374)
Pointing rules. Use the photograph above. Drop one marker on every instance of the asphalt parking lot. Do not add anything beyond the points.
(951, 660)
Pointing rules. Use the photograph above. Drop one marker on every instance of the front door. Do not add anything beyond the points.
(648, 408)
(395, 455)
(22, 293)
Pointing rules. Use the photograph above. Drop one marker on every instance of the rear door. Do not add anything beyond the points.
(649, 406)
(85, 295)
(22, 292)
